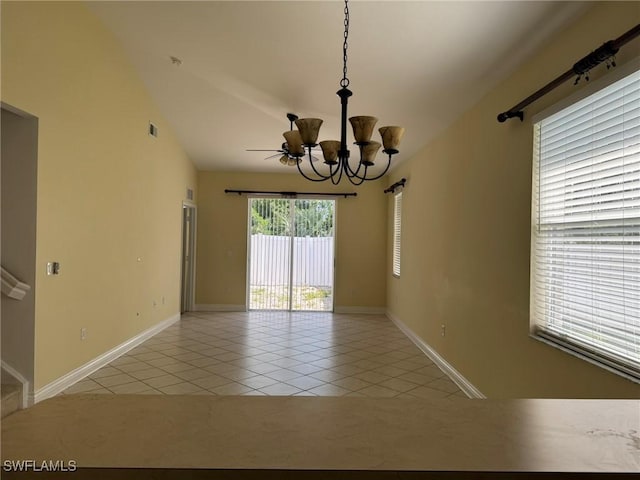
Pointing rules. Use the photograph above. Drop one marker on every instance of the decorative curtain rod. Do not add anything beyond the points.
(580, 68)
(393, 187)
(293, 194)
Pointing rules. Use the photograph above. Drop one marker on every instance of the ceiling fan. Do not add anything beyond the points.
(283, 152)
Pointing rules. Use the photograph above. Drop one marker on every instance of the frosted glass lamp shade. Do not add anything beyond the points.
(391, 137)
(289, 161)
(363, 128)
(294, 143)
(368, 153)
(330, 150)
(309, 129)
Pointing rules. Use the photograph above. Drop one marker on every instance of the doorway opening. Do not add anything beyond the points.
(291, 254)
(19, 187)
(188, 258)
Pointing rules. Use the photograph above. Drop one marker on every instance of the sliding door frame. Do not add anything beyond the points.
(251, 197)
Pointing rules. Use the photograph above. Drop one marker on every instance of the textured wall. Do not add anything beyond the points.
(222, 238)
(109, 195)
(466, 233)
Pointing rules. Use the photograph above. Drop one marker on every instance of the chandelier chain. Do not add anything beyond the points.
(344, 83)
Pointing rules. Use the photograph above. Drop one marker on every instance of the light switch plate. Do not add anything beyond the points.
(53, 268)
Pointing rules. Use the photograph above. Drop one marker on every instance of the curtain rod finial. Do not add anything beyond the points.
(504, 116)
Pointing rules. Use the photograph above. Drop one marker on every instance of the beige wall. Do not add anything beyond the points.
(222, 238)
(108, 194)
(466, 233)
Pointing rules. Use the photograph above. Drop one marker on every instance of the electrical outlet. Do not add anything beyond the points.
(163, 300)
(443, 330)
(83, 333)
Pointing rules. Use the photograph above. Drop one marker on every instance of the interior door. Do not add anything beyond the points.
(188, 258)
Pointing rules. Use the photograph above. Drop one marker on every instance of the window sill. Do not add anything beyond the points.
(584, 355)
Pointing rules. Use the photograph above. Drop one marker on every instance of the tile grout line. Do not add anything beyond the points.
(196, 345)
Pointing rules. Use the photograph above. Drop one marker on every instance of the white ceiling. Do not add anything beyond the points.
(246, 64)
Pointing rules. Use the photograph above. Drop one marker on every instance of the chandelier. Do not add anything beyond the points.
(336, 155)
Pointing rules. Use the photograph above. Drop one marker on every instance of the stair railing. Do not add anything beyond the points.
(12, 287)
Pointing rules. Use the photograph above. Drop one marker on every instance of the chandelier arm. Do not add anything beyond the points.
(336, 176)
(313, 167)
(350, 172)
(335, 171)
(321, 179)
(377, 176)
(362, 179)
(384, 172)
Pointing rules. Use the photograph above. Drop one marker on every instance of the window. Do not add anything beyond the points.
(585, 261)
(397, 227)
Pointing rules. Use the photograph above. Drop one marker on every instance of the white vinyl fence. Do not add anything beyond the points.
(271, 261)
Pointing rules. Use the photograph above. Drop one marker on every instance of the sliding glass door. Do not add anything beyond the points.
(291, 254)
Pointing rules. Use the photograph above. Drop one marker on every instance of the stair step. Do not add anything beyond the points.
(11, 394)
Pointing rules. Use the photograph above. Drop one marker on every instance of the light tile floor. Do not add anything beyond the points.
(275, 353)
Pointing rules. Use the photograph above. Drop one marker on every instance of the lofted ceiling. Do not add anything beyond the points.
(417, 64)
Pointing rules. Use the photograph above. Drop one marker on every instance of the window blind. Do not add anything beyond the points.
(397, 228)
(586, 227)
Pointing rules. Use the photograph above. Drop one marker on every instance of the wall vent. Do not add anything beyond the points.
(189, 194)
(153, 130)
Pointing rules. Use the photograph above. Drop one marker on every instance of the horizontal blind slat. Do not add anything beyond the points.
(592, 132)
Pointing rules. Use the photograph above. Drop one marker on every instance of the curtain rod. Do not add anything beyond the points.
(581, 67)
(293, 194)
(393, 187)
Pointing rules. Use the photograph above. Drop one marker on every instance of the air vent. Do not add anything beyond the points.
(189, 194)
(153, 130)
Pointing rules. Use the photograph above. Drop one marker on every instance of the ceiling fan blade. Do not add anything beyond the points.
(272, 150)
(273, 156)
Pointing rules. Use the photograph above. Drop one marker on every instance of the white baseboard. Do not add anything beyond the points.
(465, 385)
(24, 400)
(364, 310)
(219, 307)
(88, 368)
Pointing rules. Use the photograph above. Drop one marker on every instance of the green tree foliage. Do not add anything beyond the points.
(314, 218)
(272, 216)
